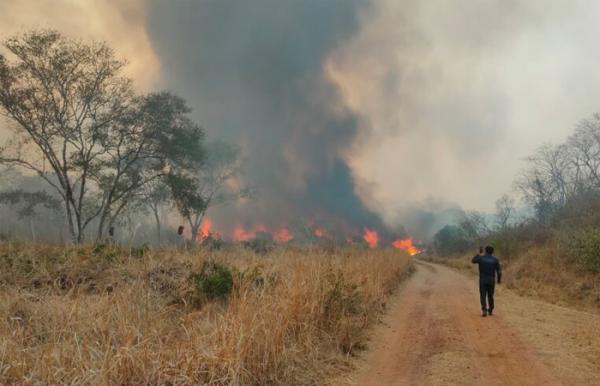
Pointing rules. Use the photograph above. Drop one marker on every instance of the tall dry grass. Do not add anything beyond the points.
(94, 317)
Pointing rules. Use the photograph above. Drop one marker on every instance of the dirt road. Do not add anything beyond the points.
(434, 335)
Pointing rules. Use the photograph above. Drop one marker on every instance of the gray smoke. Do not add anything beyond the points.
(357, 112)
(253, 72)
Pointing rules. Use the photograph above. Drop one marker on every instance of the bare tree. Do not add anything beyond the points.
(156, 196)
(473, 225)
(505, 209)
(584, 145)
(78, 125)
(214, 184)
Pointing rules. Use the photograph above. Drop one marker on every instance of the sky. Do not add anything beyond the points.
(375, 112)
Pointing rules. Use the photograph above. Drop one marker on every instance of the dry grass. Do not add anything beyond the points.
(541, 273)
(84, 316)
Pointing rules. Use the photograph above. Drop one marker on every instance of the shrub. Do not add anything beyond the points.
(140, 251)
(450, 239)
(583, 247)
(214, 281)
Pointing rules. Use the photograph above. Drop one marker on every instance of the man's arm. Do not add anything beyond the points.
(499, 271)
(475, 259)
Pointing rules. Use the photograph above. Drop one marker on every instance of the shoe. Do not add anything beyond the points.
(484, 314)
(490, 312)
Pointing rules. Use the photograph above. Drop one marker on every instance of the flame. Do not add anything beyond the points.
(284, 235)
(406, 245)
(241, 234)
(371, 237)
(205, 229)
(320, 232)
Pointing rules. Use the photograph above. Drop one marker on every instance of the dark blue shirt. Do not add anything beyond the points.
(489, 266)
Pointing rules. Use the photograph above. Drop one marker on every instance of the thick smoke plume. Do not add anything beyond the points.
(254, 73)
(452, 95)
(356, 113)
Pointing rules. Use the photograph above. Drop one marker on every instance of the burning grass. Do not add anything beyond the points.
(103, 316)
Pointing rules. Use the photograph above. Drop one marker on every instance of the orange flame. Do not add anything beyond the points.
(284, 235)
(205, 229)
(371, 237)
(240, 234)
(320, 232)
(406, 245)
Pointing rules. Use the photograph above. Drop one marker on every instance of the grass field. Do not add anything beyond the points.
(98, 315)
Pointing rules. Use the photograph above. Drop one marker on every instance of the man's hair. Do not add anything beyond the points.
(489, 249)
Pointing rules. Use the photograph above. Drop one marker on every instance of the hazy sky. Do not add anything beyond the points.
(400, 103)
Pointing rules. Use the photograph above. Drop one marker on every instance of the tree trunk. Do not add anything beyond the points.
(157, 218)
(195, 228)
(32, 229)
(69, 215)
(100, 233)
(196, 225)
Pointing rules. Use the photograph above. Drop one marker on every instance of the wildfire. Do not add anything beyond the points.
(284, 235)
(241, 234)
(406, 245)
(205, 229)
(371, 237)
(320, 232)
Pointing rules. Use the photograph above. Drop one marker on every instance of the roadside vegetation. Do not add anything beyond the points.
(553, 251)
(104, 315)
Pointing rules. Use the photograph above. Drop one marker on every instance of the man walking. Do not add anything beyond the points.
(489, 266)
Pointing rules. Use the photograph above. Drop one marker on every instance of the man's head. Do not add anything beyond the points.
(489, 250)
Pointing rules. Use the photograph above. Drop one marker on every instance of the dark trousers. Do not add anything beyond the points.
(486, 289)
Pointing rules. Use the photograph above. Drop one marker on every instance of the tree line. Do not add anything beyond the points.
(101, 148)
(559, 184)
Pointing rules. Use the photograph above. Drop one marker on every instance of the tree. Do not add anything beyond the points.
(156, 196)
(505, 209)
(450, 239)
(79, 126)
(473, 225)
(195, 194)
(30, 202)
(157, 139)
(584, 146)
(549, 180)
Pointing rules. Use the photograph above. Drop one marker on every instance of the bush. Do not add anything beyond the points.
(214, 281)
(583, 247)
(449, 240)
(261, 244)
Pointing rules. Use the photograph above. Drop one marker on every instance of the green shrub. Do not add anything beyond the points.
(214, 281)
(583, 247)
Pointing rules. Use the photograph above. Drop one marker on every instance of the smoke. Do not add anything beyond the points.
(122, 24)
(453, 94)
(375, 113)
(253, 72)
(407, 109)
